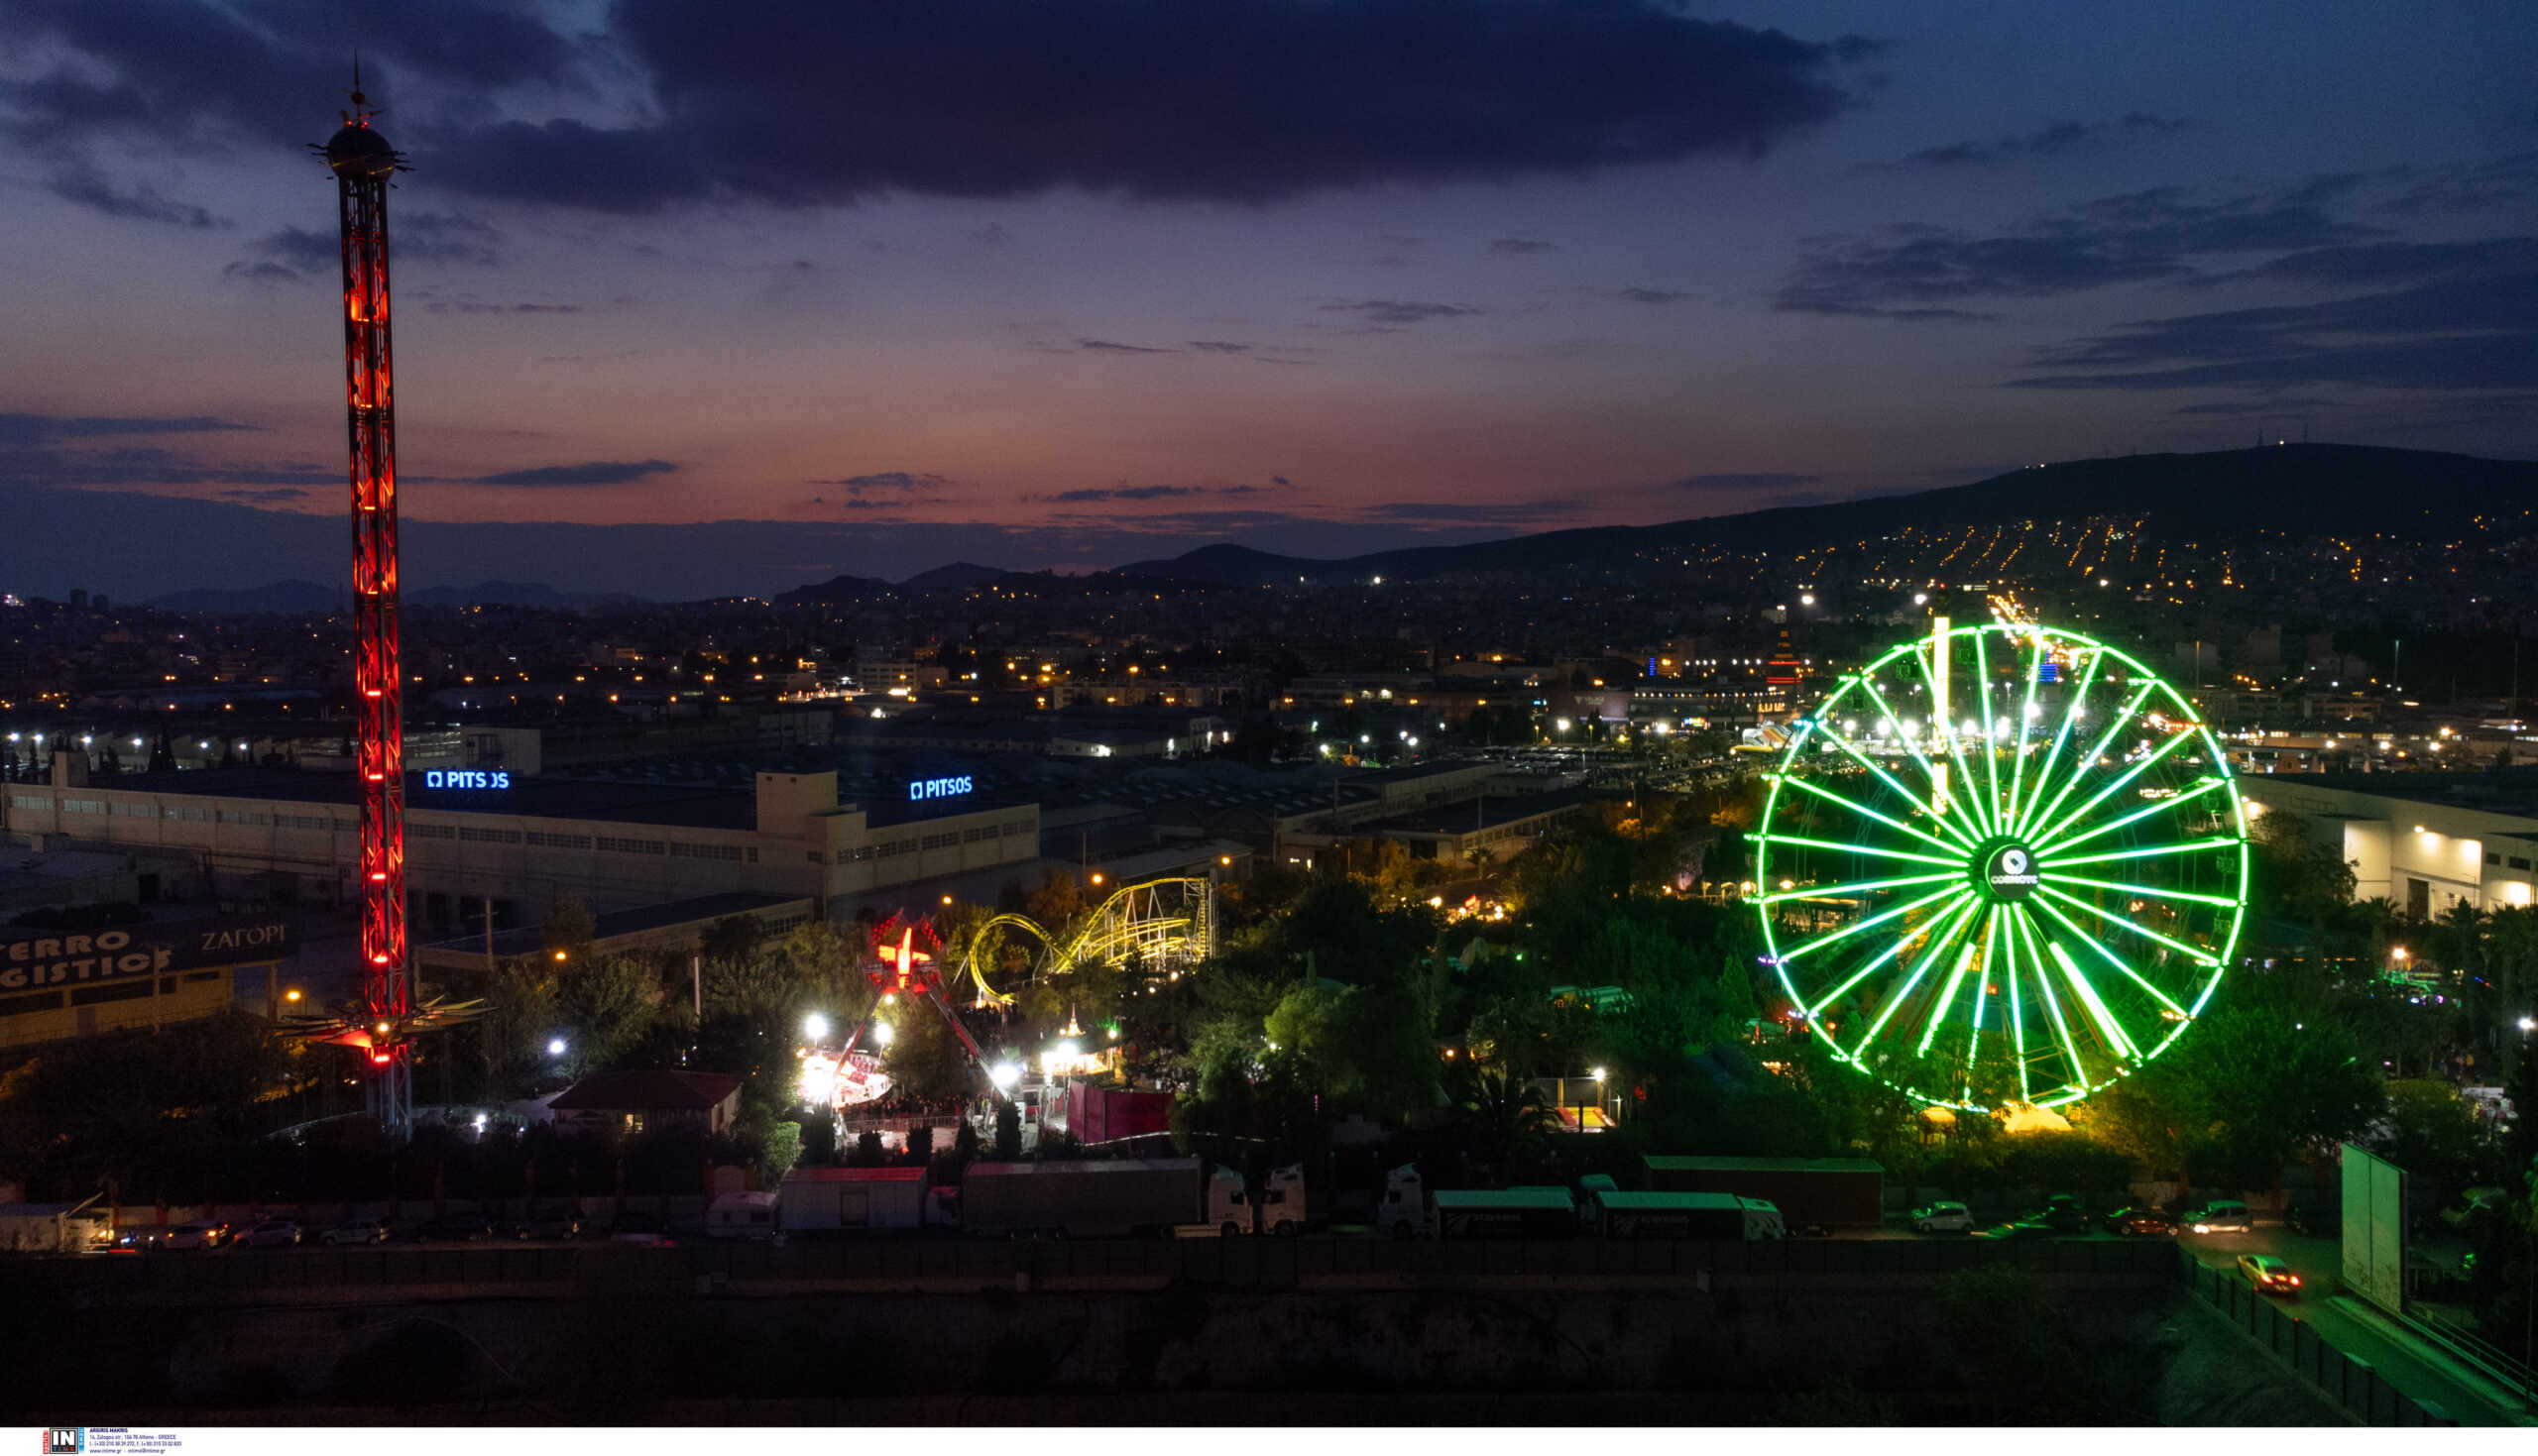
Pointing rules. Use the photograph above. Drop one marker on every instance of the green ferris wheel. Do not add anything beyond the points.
(2002, 864)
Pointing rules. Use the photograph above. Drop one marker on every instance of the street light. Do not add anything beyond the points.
(2527, 1023)
(294, 995)
(815, 1025)
(555, 1046)
(883, 1033)
(1004, 1074)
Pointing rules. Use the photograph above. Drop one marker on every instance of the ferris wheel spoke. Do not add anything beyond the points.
(1890, 780)
(1963, 826)
(2139, 767)
(2160, 807)
(2122, 964)
(1940, 941)
(1853, 805)
(1840, 849)
(2081, 766)
(2061, 735)
(2032, 669)
(2052, 1004)
(1881, 918)
(2123, 888)
(1983, 826)
(1990, 738)
(1982, 989)
(2148, 851)
(1901, 943)
(2108, 1028)
(1819, 892)
(1948, 998)
(2194, 953)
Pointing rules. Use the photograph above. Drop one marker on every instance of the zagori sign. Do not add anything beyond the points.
(939, 788)
(61, 958)
(466, 778)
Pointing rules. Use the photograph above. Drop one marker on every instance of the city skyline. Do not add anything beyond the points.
(1400, 286)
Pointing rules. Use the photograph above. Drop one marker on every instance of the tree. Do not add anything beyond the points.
(733, 940)
(1505, 1118)
(2432, 1131)
(925, 1059)
(607, 1004)
(569, 929)
(783, 1147)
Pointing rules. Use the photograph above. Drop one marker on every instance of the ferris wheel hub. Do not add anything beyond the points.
(2005, 870)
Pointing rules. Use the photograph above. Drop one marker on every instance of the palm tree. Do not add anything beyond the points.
(1505, 1116)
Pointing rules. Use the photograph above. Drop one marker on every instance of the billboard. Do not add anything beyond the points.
(2375, 1228)
(36, 960)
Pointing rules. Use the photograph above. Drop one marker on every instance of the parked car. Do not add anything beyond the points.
(2317, 1220)
(458, 1228)
(559, 1221)
(2062, 1213)
(202, 1234)
(359, 1231)
(2220, 1215)
(2270, 1275)
(634, 1227)
(272, 1233)
(1941, 1218)
(2024, 1228)
(2141, 1220)
(154, 1236)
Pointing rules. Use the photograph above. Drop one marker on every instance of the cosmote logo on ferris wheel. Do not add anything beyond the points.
(2010, 871)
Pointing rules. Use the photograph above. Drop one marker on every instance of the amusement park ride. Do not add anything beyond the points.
(2035, 858)
(1158, 924)
(386, 1020)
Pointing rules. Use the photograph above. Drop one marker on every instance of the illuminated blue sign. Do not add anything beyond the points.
(466, 778)
(938, 788)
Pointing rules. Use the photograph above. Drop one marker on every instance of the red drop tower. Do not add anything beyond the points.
(363, 162)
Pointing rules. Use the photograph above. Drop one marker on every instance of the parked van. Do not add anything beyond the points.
(741, 1216)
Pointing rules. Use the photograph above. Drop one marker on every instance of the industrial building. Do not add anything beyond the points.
(2427, 841)
(477, 836)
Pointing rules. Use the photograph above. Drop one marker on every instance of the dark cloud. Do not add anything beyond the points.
(86, 185)
(2266, 406)
(1220, 346)
(1277, 480)
(2509, 181)
(1648, 295)
(417, 237)
(1242, 100)
(1106, 346)
(1917, 272)
(276, 496)
(1463, 512)
(2470, 330)
(2052, 142)
(20, 431)
(1126, 493)
(1383, 314)
(887, 480)
(1741, 480)
(471, 305)
(2367, 264)
(587, 472)
(195, 75)
(267, 271)
(1517, 247)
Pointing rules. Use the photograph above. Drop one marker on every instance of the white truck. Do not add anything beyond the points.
(1403, 1213)
(1278, 1209)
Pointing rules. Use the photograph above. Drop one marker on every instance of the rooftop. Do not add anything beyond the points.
(2498, 791)
(610, 1091)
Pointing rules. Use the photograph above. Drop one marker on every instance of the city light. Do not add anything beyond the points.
(883, 1033)
(1004, 1074)
(816, 1027)
(555, 1046)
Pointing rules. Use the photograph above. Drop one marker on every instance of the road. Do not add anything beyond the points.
(2346, 1322)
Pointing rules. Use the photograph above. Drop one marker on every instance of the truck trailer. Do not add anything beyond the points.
(852, 1200)
(1821, 1193)
(1086, 1200)
(1723, 1216)
(1505, 1213)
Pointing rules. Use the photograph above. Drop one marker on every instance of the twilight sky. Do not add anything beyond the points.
(1075, 282)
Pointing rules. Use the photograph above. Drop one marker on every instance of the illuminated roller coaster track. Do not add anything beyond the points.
(1158, 921)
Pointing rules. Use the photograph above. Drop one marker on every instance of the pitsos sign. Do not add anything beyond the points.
(62, 958)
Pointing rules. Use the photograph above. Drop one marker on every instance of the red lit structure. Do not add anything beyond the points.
(363, 162)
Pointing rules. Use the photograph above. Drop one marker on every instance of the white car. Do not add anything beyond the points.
(199, 1235)
(273, 1233)
(357, 1232)
(1941, 1218)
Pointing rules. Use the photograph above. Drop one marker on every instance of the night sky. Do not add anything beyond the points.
(1077, 281)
